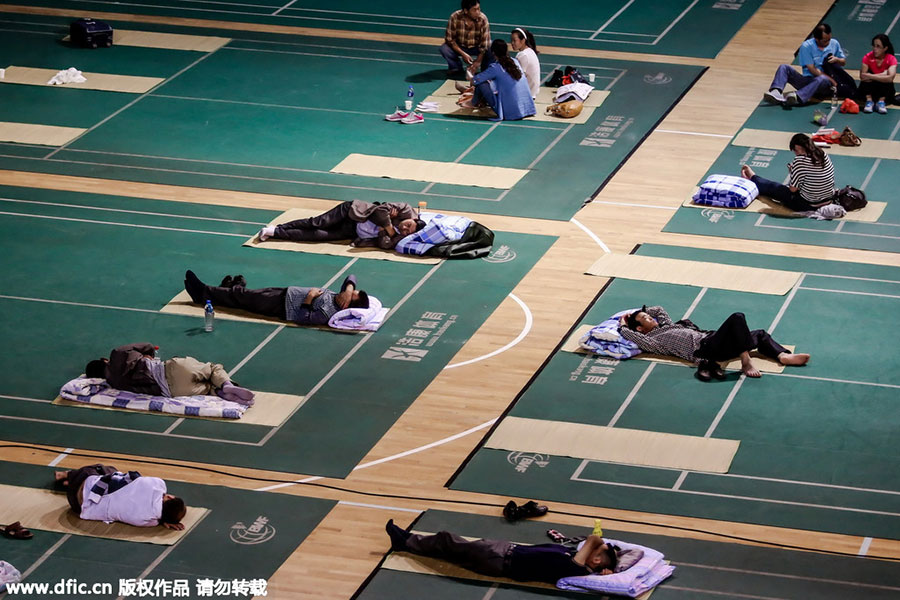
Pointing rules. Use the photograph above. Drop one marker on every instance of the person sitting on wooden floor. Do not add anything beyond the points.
(102, 493)
(653, 331)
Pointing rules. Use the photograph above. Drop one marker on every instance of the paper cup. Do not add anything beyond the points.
(408, 105)
(2, 73)
(591, 77)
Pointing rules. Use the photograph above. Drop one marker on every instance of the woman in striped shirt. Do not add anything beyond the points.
(811, 178)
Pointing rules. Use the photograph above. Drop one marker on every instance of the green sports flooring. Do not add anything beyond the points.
(214, 549)
(85, 273)
(678, 27)
(818, 445)
(877, 177)
(703, 569)
(854, 22)
(275, 114)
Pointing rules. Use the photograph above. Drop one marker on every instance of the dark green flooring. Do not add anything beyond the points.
(829, 424)
(680, 27)
(703, 569)
(853, 24)
(276, 114)
(208, 550)
(96, 266)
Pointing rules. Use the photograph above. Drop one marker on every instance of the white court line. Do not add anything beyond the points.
(850, 292)
(611, 19)
(341, 56)
(379, 461)
(491, 591)
(60, 458)
(45, 556)
(718, 135)
(592, 235)
(675, 22)
(288, 5)
(694, 591)
(864, 547)
(466, 151)
(871, 235)
(136, 226)
(529, 320)
(133, 212)
(894, 22)
(378, 506)
(657, 206)
(833, 380)
(68, 303)
(174, 424)
(789, 576)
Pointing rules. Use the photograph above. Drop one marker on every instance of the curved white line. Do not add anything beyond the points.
(593, 236)
(529, 320)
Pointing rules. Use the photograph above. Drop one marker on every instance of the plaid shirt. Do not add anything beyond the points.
(667, 338)
(439, 230)
(466, 34)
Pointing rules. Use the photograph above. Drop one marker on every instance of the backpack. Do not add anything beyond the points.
(850, 198)
(561, 78)
(565, 110)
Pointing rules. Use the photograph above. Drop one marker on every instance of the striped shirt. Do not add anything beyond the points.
(667, 337)
(467, 33)
(816, 183)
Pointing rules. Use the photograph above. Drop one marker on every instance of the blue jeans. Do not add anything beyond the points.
(807, 86)
(454, 62)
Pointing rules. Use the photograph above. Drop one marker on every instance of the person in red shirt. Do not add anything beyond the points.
(876, 77)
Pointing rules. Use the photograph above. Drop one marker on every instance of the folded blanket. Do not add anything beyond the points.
(360, 319)
(70, 75)
(647, 573)
(97, 391)
(604, 339)
(440, 229)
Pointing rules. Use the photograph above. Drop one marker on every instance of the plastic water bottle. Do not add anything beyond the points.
(410, 93)
(209, 316)
(834, 98)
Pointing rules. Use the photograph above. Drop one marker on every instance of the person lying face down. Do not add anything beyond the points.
(500, 558)
(102, 493)
(364, 223)
(303, 305)
(135, 368)
(653, 331)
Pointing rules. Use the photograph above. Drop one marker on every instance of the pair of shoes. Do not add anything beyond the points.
(397, 115)
(412, 118)
(513, 512)
(881, 107)
(774, 96)
(398, 536)
(869, 106)
(791, 99)
(236, 281)
(707, 369)
(15, 531)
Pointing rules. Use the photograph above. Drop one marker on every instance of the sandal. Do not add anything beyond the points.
(15, 531)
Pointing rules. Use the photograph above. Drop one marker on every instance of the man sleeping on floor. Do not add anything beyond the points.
(653, 331)
(102, 493)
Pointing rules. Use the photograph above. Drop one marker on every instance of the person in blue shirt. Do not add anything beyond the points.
(822, 59)
(503, 87)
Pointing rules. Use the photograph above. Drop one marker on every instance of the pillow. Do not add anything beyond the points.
(726, 191)
(645, 574)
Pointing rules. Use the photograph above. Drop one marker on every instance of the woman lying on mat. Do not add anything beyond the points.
(502, 87)
(522, 41)
(876, 77)
(103, 493)
(811, 178)
(653, 331)
(303, 305)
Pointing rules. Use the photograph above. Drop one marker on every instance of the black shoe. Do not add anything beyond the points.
(718, 372)
(227, 281)
(196, 289)
(532, 509)
(238, 281)
(398, 536)
(512, 512)
(704, 371)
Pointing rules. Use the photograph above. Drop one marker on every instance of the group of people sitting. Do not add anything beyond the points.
(506, 84)
(823, 76)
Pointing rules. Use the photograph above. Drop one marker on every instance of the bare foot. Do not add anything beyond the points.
(62, 476)
(747, 172)
(751, 371)
(467, 103)
(794, 360)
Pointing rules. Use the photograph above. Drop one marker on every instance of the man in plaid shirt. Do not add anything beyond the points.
(468, 35)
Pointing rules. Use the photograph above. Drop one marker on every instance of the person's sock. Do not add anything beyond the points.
(235, 393)
(398, 536)
(194, 287)
(265, 233)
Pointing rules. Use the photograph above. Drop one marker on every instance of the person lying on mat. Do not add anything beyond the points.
(103, 493)
(811, 183)
(653, 331)
(303, 305)
(499, 558)
(135, 368)
(365, 223)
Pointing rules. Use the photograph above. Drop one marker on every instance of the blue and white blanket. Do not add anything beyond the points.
(97, 391)
(439, 229)
(647, 573)
(606, 340)
(360, 319)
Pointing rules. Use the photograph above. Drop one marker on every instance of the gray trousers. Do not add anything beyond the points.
(488, 557)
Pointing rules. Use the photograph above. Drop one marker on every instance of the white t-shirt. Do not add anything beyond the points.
(139, 503)
(531, 66)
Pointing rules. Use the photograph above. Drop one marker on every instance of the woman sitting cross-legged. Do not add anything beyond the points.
(811, 178)
(502, 86)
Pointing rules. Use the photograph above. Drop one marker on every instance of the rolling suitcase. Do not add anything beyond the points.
(89, 33)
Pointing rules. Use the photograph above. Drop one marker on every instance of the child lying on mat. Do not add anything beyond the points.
(102, 493)
(135, 368)
(653, 331)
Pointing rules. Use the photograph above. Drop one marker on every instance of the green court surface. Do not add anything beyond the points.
(854, 22)
(275, 114)
(678, 27)
(85, 273)
(703, 569)
(877, 177)
(219, 547)
(817, 444)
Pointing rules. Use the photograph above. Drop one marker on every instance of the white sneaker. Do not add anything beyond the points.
(397, 115)
(774, 96)
(412, 118)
